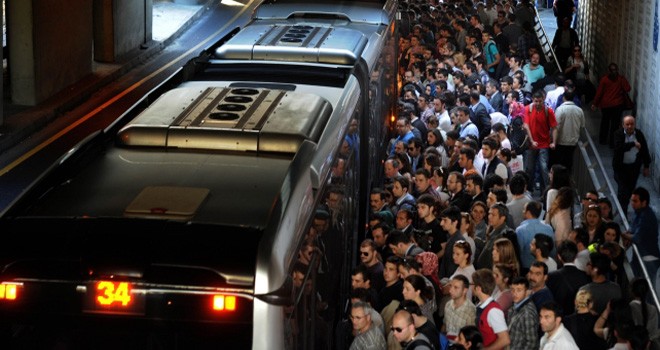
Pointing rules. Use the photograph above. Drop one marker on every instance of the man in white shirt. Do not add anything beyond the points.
(570, 120)
(556, 337)
(552, 95)
(492, 164)
(466, 126)
(490, 317)
(440, 109)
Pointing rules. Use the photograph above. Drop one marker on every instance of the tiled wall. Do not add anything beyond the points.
(622, 31)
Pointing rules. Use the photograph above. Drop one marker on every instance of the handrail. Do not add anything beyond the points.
(549, 45)
(637, 256)
(632, 250)
(610, 188)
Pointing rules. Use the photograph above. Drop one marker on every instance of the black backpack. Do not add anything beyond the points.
(517, 135)
(419, 342)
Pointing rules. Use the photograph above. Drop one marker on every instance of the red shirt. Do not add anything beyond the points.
(610, 92)
(540, 125)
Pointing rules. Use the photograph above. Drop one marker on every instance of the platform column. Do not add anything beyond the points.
(50, 46)
(121, 27)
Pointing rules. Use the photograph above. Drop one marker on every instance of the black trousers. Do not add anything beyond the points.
(626, 179)
(610, 121)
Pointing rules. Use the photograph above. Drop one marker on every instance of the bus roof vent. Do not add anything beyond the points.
(232, 119)
(297, 43)
(363, 11)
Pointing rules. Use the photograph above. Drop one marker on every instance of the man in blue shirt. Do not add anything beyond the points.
(530, 226)
(644, 231)
(404, 130)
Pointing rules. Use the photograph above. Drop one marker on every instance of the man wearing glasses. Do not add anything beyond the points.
(403, 329)
(370, 259)
(415, 146)
(367, 336)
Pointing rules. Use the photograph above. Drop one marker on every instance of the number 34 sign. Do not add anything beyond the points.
(109, 293)
(114, 297)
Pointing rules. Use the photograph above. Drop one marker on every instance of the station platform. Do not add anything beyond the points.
(170, 20)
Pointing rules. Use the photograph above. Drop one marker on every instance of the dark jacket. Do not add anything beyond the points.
(564, 284)
(621, 147)
(481, 119)
(574, 41)
(462, 200)
(496, 101)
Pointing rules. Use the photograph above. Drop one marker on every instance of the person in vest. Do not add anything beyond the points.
(492, 164)
(490, 317)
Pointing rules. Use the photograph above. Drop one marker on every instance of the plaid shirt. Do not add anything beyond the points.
(523, 321)
(456, 318)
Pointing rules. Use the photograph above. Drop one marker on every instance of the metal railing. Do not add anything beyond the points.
(590, 162)
(545, 43)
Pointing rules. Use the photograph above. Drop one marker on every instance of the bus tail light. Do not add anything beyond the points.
(9, 291)
(224, 302)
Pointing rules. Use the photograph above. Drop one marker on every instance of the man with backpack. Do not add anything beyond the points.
(491, 53)
(542, 125)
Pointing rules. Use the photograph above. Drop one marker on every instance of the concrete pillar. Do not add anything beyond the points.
(50, 47)
(120, 27)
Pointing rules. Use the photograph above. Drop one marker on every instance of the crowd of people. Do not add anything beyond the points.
(477, 238)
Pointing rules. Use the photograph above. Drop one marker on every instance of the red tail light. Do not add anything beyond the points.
(224, 302)
(9, 291)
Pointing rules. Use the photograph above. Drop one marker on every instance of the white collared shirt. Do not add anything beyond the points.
(630, 156)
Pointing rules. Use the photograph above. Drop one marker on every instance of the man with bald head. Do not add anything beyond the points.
(404, 331)
(631, 155)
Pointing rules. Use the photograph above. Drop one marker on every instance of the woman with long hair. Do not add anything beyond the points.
(478, 212)
(435, 139)
(618, 312)
(577, 69)
(643, 313)
(503, 274)
(467, 230)
(608, 241)
(605, 209)
(416, 289)
(462, 256)
(405, 167)
(558, 177)
(505, 253)
(593, 221)
(559, 215)
(439, 177)
(470, 338)
(431, 160)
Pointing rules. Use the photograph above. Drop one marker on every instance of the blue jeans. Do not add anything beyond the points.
(533, 158)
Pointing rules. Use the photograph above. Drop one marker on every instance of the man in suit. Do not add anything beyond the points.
(494, 95)
(566, 281)
(631, 154)
(479, 115)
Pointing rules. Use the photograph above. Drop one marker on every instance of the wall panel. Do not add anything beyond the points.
(622, 31)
